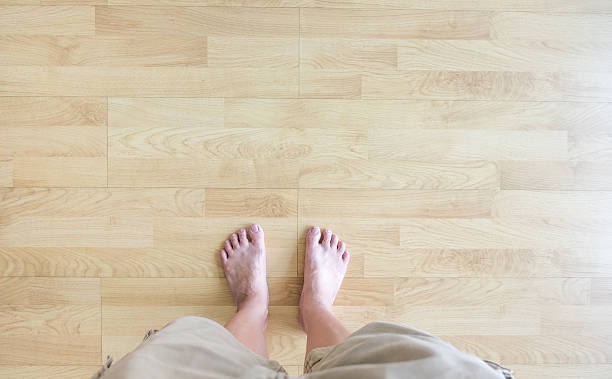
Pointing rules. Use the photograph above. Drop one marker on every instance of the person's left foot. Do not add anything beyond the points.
(244, 263)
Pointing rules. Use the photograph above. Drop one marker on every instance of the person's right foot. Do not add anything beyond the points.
(324, 268)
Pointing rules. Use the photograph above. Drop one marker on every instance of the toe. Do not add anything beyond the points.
(257, 234)
(224, 256)
(346, 256)
(228, 248)
(341, 248)
(334, 241)
(314, 236)
(235, 242)
(242, 237)
(327, 237)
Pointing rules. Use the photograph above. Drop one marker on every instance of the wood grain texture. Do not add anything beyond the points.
(59, 171)
(461, 149)
(534, 350)
(84, 202)
(528, 262)
(461, 55)
(201, 21)
(165, 51)
(405, 204)
(466, 145)
(514, 25)
(415, 114)
(52, 111)
(530, 5)
(57, 20)
(556, 175)
(398, 174)
(361, 24)
(147, 81)
(505, 232)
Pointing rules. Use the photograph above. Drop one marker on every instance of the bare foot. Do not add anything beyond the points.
(324, 268)
(244, 263)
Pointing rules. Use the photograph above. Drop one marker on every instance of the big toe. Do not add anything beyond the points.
(313, 236)
(257, 235)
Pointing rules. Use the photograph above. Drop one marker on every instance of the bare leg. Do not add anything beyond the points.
(324, 268)
(244, 263)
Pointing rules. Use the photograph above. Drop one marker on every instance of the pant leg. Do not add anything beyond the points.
(193, 348)
(386, 350)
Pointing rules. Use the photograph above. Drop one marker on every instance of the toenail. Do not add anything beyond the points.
(254, 228)
(314, 229)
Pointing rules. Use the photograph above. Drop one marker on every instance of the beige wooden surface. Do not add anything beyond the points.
(461, 148)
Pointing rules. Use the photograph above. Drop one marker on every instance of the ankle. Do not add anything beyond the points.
(312, 311)
(256, 310)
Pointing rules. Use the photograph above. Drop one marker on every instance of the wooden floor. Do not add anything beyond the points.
(461, 148)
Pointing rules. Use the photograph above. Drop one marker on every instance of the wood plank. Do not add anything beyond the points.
(590, 146)
(52, 111)
(225, 52)
(51, 372)
(498, 5)
(531, 350)
(339, 84)
(57, 20)
(99, 231)
(545, 26)
(50, 321)
(165, 112)
(60, 320)
(147, 81)
(417, 114)
(556, 176)
(251, 203)
(546, 56)
(578, 319)
(92, 202)
(72, 2)
(165, 292)
(375, 23)
(59, 172)
(53, 141)
(39, 291)
(31, 350)
(394, 203)
(601, 291)
(517, 203)
(340, 54)
(234, 143)
(49, 51)
(184, 172)
(479, 85)
(503, 233)
(437, 292)
(6, 172)
(562, 371)
(199, 21)
(469, 320)
(418, 144)
(397, 174)
(512, 263)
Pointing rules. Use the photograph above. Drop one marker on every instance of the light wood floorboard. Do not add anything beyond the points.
(461, 148)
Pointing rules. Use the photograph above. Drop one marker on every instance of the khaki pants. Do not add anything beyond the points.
(195, 347)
